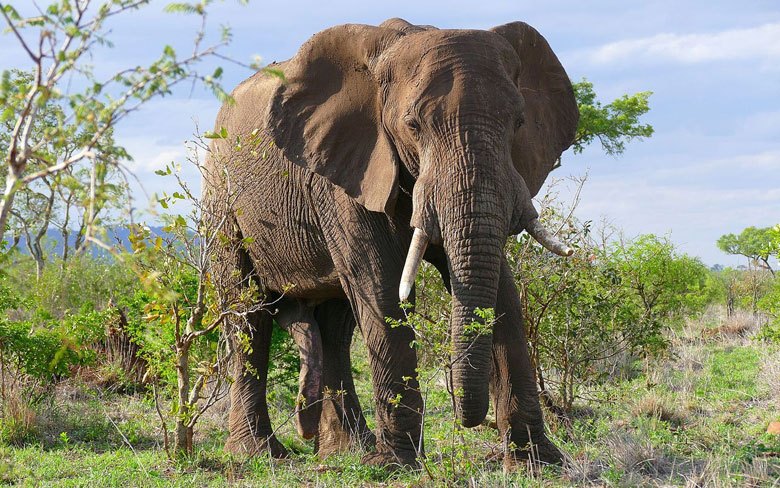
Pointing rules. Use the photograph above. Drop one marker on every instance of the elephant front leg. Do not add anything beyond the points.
(248, 421)
(518, 412)
(342, 424)
(399, 405)
(368, 252)
(393, 362)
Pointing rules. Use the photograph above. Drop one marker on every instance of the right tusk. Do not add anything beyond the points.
(544, 237)
(412, 264)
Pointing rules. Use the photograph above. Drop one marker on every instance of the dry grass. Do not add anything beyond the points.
(714, 323)
(584, 470)
(721, 473)
(19, 419)
(740, 324)
(637, 458)
(769, 376)
(659, 407)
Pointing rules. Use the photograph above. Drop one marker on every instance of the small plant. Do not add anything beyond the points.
(185, 341)
(432, 335)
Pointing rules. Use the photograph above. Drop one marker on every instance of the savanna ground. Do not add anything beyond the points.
(695, 417)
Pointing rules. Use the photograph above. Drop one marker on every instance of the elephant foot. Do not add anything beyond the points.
(334, 442)
(391, 461)
(255, 446)
(533, 455)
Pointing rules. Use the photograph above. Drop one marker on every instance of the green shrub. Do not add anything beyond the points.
(606, 305)
(770, 304)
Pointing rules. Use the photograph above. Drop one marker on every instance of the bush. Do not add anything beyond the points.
(608, 303)
(770, 304)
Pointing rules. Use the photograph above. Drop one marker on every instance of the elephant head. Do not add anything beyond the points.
(467, 123)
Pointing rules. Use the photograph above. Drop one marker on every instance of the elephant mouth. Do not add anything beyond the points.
(420, 243)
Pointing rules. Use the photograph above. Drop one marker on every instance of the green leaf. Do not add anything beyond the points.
(274, 72)
(181, 8)
(12, 13)
(222, 134)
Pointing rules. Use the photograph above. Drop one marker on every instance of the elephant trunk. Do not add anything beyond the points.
(474, 260)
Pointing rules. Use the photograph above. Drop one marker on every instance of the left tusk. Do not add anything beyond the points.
(544, 237)
(412, 264)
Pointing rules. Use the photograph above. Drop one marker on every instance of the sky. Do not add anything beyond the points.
(712, 167)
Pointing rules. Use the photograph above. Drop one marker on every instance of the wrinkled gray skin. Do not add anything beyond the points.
(376, 132)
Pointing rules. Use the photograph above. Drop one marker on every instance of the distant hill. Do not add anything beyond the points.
(53, 242)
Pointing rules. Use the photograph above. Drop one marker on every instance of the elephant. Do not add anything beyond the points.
(381, 146)
(335, 420)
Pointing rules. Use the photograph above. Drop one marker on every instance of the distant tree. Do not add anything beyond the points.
(79, 192)
(729, 282)
(773, 247)
(613, 125)
(57, 41)
(770, 302)
(754, 243)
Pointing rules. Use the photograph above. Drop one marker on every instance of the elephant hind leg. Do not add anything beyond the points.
(248, 421)
(297, 318)
(342, 424)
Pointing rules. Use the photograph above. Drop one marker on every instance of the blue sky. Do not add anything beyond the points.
(712, 167)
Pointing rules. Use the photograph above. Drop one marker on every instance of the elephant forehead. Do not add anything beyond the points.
(455, 48)
(452, 69)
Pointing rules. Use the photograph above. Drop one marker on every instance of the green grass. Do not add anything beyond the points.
(699, 415)
(732, 374)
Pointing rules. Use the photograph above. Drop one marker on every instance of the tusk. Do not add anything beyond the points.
(412, 264)
(544, 237)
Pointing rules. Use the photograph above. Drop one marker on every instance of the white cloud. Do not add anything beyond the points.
(760, 42)
(696, 196)
(150, 162)
(767, 162)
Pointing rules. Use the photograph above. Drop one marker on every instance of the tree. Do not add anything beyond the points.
(186, 343)
(770, 303)
(754, 243)
(610, 299)
(579, 316)
(773, 247)
(54, 199)
(664, 281)
(57, 41)
(614, 124)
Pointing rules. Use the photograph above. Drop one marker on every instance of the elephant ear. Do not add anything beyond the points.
(326, 117)
(551, 113)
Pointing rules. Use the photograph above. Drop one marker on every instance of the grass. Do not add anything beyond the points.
(696, 417)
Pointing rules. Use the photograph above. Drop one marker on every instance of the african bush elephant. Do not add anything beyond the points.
(383, 146)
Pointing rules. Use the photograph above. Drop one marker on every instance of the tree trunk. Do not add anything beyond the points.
(7, 200)
(183, 430)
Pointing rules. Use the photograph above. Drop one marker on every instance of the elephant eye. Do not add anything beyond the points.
(413, 124)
